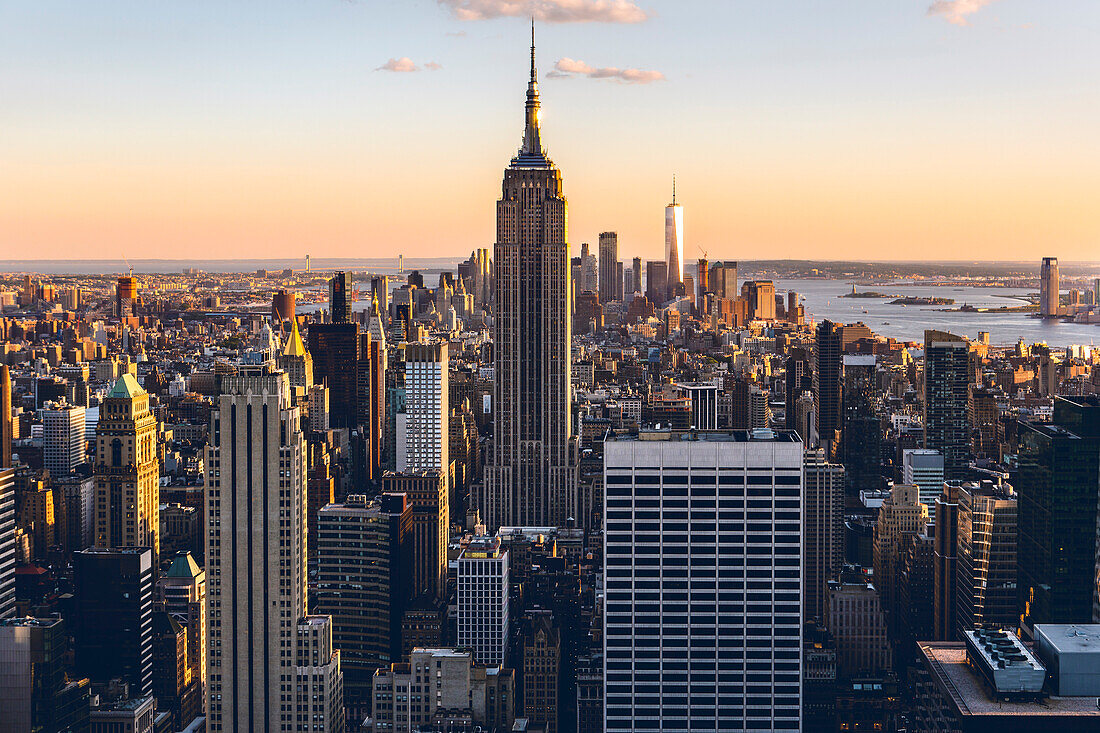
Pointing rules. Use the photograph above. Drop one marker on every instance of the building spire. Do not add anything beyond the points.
(673, 189)
(532, 141)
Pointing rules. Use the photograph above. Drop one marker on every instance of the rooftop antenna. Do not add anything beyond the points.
(673, 189)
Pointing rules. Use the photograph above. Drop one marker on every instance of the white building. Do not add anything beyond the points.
(483, 600)
(923, 468)
(256, 556)
(703, 581)
(62, 438)
(422, 429)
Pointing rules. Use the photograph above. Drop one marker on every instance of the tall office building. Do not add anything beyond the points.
(703, 618)
(113, 622)
(923, 468)
(861, 432)
(611, 281)
(34, 695)
(945, 562)
(364, 577)
(531, 479)
(946, 393)
(636, 275)
(900, 516)
(423, 433)
(256, 551)
(5, 417)
(62, 438)
(985, 576)
(335, 349)
(656, 282)
(1056, 515)
(7, 542)
(855, 617)
(829, 381)
(1049, 288)
(822, 530)
(182, 593)
(427, 495)
(296, 360)
(483, 597)
(797, 379)
(340, 297)
(127, 472)
(723, 280)
(674, 241)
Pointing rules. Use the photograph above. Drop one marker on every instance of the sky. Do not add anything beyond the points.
(849, 129)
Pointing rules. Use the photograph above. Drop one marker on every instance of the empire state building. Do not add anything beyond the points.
(531, 476)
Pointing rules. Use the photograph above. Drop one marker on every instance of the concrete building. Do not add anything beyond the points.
(256, 480)
(34, 695)
(296, 360)
(611, 268)
(541, 669)
(427, 495)
(318, 677)
(127, 472)
(674, 585)
(7, 542)
(1049, 288)
(62, 438)
(423, 426)
(483, 599)
(436, 685)
(857, 621)
(900, 516)
(181, 592)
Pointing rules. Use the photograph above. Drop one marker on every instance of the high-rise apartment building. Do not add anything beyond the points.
(674, 242)
(611, 281)
(364, 575)
(113, 619)
(340, 297)
(946, 393)
(985, 576)
(703, 617)
(531, 476)
(127, 472)
(256, 552)
(1056, 515)
(924, 469)
(62, 438)
(822, 529)
(423, 426)
(1049, 288)
(483, 597)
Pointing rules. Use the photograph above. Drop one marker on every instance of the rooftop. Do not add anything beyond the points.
(715, 436)
(126, 388)
(1071, 638)
(947, 663)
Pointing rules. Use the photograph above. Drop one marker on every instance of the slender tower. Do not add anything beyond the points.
(674, 241)
(531, 477)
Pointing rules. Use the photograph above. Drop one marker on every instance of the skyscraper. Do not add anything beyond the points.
(127, 472)
(1049, 287)
(945, 562)
(674, 241)
(611, 281)
(335, 349)
(531, 478)
(423, 426)
(1057, 515)
(828, 381)
(7, 542)
(483, 597)
(985, 575)
(256, 552)
(62, 438)
(923, 468)
(723, 279)
(5, 417)
(182, 593)
(340, 297)
(113, 623)
(822, 529)
(703, 619)
(636, 275)
(656, 282)
(946, 393)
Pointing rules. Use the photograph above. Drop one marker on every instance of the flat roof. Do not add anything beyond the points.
(760, 435)
(947, 662)
(1071, 638)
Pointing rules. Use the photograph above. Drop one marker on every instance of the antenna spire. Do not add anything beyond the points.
(534, 76)
(673, 189)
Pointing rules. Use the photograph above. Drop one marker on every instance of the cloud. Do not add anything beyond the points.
(567, 68)
(956, 12)
(550, 11)
(405, 64)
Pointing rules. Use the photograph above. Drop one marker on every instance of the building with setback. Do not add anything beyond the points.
(531, 476)
(703, 615)
(127, 472)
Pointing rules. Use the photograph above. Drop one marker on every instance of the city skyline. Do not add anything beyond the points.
(947, 130)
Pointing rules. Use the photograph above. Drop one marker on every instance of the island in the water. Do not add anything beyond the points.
(918, 300)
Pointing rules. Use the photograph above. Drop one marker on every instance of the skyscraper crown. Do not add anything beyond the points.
(531, 153)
